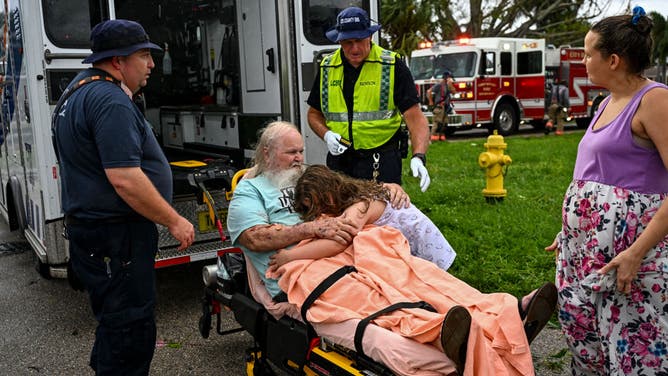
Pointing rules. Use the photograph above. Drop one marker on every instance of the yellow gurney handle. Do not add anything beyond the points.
(235, 179)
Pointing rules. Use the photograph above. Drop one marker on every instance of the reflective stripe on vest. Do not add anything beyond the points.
(376, 119)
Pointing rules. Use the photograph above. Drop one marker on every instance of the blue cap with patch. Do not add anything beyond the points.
(351, 23)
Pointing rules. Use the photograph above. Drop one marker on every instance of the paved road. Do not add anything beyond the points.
(522, 130)
(47, 328)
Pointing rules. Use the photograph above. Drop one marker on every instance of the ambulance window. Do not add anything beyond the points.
(68, 22)
(530, 62)
(320, 15)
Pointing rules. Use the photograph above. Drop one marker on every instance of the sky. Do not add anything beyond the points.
(619, 6)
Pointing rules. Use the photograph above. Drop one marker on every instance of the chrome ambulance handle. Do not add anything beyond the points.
(48, 56)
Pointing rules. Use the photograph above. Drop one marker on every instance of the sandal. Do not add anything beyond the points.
(455, 335)
(539, 310)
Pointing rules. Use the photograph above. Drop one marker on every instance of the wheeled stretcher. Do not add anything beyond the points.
(280, 341)
(285, 343)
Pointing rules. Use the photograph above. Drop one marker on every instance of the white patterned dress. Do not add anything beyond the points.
(424, 238)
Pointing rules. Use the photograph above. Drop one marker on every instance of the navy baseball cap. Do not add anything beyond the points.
(117, 38)
(447, 73)
(351, 23)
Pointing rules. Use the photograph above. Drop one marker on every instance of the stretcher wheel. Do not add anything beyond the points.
(205, 319)
(256, 365)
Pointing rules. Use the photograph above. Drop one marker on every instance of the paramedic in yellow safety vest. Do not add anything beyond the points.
(357, 102)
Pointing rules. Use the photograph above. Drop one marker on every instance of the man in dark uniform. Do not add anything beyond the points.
(439, 99)
(559, 107)
(357, 102)
(116, 182)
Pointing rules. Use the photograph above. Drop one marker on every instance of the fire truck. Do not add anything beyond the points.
(504, 82)
(228, 68)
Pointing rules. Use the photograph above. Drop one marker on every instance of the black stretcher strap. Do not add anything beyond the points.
(361, 327)
(320, 289)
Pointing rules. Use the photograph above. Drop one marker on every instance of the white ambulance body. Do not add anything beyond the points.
(233, 66)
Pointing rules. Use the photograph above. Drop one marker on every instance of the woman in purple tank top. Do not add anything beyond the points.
(612, 263)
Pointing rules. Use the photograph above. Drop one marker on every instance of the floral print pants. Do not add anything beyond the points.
(608, 332)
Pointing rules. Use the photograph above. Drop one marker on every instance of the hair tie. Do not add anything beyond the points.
(638, 12)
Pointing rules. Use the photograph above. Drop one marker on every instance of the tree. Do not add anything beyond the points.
(558, 21)
(409, 22)
(660, 37)
(405, 23)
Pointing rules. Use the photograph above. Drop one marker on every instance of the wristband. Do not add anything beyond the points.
(421, 157)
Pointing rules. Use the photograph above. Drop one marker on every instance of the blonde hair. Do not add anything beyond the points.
(268, 137)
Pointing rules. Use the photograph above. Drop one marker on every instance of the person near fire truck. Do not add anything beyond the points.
(439, 99)
(356, 105)
(559, 107)
(116, 184)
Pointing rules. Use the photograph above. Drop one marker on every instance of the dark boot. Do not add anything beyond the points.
(539, 310)
(455, 335)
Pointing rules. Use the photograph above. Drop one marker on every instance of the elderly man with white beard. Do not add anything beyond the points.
(272, 223)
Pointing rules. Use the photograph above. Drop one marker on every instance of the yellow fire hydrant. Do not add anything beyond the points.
(495, 163)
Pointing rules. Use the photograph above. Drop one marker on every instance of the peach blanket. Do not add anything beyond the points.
(387, 274)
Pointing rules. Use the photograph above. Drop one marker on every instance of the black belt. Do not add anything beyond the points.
(72, 220)
(392, 144)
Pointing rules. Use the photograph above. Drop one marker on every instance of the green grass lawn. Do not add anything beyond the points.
(500, 246)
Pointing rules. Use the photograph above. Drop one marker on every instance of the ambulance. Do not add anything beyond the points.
(228, 68)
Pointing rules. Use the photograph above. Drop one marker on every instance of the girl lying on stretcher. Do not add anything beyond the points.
(322, 191)
(483, 334)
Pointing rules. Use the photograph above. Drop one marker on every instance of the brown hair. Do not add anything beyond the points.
(329, 192)
(627, 36)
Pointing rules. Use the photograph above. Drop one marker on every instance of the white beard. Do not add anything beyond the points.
(285, 178)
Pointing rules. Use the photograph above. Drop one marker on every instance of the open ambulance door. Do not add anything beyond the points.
(317, 17)
(258, 49)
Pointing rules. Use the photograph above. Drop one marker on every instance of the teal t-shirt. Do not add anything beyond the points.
(255, 202)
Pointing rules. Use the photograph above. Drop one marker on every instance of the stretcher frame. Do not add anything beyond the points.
(285, 343)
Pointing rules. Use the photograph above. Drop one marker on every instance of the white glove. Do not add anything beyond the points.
(420, 170)
(333, 144)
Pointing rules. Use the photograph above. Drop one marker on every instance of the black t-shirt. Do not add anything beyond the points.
(405, 93)
(100, 127)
